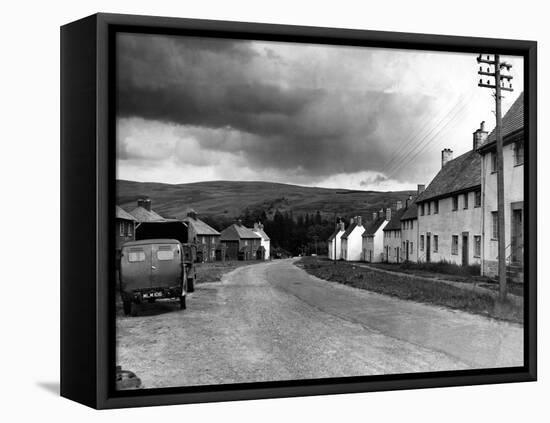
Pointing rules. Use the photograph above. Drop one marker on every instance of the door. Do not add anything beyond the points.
(166, 265)
(428, 247)
(398, 255)
(135, 267)
(517, 236)
(465, 248)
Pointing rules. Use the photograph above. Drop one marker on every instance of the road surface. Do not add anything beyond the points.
(273, 321)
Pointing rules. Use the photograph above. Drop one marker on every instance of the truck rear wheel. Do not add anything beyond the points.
(183, 306)
(191, 285)
(127, 306)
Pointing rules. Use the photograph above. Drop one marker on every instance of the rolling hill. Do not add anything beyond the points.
(231, 198)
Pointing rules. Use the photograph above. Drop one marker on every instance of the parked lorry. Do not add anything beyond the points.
(154, 269)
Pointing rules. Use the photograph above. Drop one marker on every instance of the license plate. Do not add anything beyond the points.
(152, 294)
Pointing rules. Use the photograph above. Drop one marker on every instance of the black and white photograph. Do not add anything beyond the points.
(290, 211)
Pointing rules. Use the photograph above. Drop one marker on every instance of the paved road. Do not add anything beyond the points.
(273, 321)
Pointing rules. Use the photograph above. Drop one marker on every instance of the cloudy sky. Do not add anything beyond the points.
(197, 109)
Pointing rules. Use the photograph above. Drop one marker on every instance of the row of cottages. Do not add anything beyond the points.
(457, 213)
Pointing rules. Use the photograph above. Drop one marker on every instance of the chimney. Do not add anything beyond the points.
(374, 215)
(342, 225)
(446, 156)
(381, 213)
(192, 214)
(398, 204)
(421, 188)
(256, 225)
(145, 203)
(351, 221)
(408, 201)
(388, 214)
(359, 221)
(480, 136)
(239, 222)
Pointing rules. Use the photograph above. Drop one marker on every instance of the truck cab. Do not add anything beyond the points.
(152, 269)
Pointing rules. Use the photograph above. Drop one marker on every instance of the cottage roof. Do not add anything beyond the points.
(411, 212)
(262, 234)
(395, 222)
(511, 122)
(236, 232)
(350, 229)
(200, 227)
(374, 226)
(460, 174)
(336, 232)
(122, 214)
(144, 215)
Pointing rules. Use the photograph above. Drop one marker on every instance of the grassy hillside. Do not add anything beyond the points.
(230, 199)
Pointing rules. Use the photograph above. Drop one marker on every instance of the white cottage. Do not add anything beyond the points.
(265, 241)
(513, 166)
(373, 237)
(392, 236)
(335, 242)
(449, 211)
(351, 240)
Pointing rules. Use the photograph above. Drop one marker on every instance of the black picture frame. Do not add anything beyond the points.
(88, 199)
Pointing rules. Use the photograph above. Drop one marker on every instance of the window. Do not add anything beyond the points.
(477, 198)
(429, 207)
(454, 245)
(466, 200)
(494, 217)
(165, 252)
(436, 243)
(422, 209)
(436, 206)
(518, 153)
(494, 167)
(477, 246)
(412, 224)
(421, 242)
(130, 228)
(135, 255)
(411, 246)
(455, 202)
(121, 228)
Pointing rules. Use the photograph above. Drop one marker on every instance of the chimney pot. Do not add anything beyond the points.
(145, 203)
(480, 136)
(446, 156)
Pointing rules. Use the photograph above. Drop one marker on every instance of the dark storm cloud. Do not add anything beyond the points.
(221, 87)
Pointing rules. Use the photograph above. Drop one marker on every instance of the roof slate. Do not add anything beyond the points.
(144, 215)
(459, 174)
(411, 212)
(122, 214)
(395, 223)
(374, 226)
(237, 232)
(511, 122)
(200, 227)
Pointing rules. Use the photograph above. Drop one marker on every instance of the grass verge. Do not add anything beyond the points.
(410, 288)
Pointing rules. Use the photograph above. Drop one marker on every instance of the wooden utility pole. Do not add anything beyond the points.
(498, 86)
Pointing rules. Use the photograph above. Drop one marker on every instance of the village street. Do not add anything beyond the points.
(273, 321)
